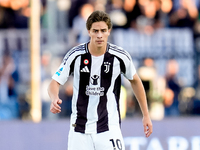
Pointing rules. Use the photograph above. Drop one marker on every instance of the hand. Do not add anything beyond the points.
(148, 127)
(55, 108)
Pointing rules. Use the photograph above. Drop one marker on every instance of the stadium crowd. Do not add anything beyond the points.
(167, 94)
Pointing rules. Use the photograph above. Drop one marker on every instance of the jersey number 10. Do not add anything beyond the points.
(116, 143)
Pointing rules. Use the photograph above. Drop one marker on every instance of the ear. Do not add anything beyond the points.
(109, 31)
(89, 32)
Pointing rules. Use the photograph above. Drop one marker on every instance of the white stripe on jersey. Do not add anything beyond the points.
(92, 115)
(113, 114)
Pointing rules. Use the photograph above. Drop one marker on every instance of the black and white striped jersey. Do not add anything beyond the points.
(96, 88)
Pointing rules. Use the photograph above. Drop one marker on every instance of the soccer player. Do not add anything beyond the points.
(96, 67)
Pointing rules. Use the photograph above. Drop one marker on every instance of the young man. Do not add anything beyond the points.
(97, 67)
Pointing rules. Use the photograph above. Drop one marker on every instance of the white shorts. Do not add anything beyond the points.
(109, 140)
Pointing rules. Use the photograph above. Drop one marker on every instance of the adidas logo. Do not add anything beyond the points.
(85, 69)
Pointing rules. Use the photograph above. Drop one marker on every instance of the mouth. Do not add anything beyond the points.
(99, 41)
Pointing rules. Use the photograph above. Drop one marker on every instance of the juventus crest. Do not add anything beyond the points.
(107, 67)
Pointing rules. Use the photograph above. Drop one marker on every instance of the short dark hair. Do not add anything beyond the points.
(98, 16)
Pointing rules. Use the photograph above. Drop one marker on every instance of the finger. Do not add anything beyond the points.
(149, 131)
(150, 127)
(145, 129)
(148, 134)
(59, 102)
(54, 109)
(55, 104)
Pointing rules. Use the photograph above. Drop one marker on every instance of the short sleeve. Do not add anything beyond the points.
(130, 70)
(62, 73)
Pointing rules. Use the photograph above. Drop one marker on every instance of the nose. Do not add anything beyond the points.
(99, 35)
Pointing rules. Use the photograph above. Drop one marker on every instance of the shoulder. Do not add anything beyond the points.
(118, 51)
(76, 51)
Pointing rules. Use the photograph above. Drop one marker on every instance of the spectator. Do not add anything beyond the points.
(78, 28)
(8, 97)
(196, 105)
(7, 18)
(173, 88)
(145, 16)
(185, 15)
(14, 14)
(154, 87)
(74, 10)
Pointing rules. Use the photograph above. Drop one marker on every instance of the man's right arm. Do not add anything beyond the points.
(53, 91)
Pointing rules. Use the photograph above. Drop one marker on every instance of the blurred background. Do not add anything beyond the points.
(163, 38)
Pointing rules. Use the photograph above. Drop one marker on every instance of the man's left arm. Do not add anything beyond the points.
(140, 95)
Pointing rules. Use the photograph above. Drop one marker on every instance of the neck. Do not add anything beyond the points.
(96, 51)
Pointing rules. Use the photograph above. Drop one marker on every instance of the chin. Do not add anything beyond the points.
(99, 46)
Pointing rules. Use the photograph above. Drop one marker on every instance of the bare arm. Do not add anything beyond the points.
(139, 92)
(53, 91)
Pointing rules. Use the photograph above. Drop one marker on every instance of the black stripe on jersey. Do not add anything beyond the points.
(106, 77)
(122, 65)
(116, 91)
(119, 51)
(86, 47)
(117, 86)
(72, 65)
(83, 99)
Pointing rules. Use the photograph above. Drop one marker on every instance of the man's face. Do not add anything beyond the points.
(99, 33)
